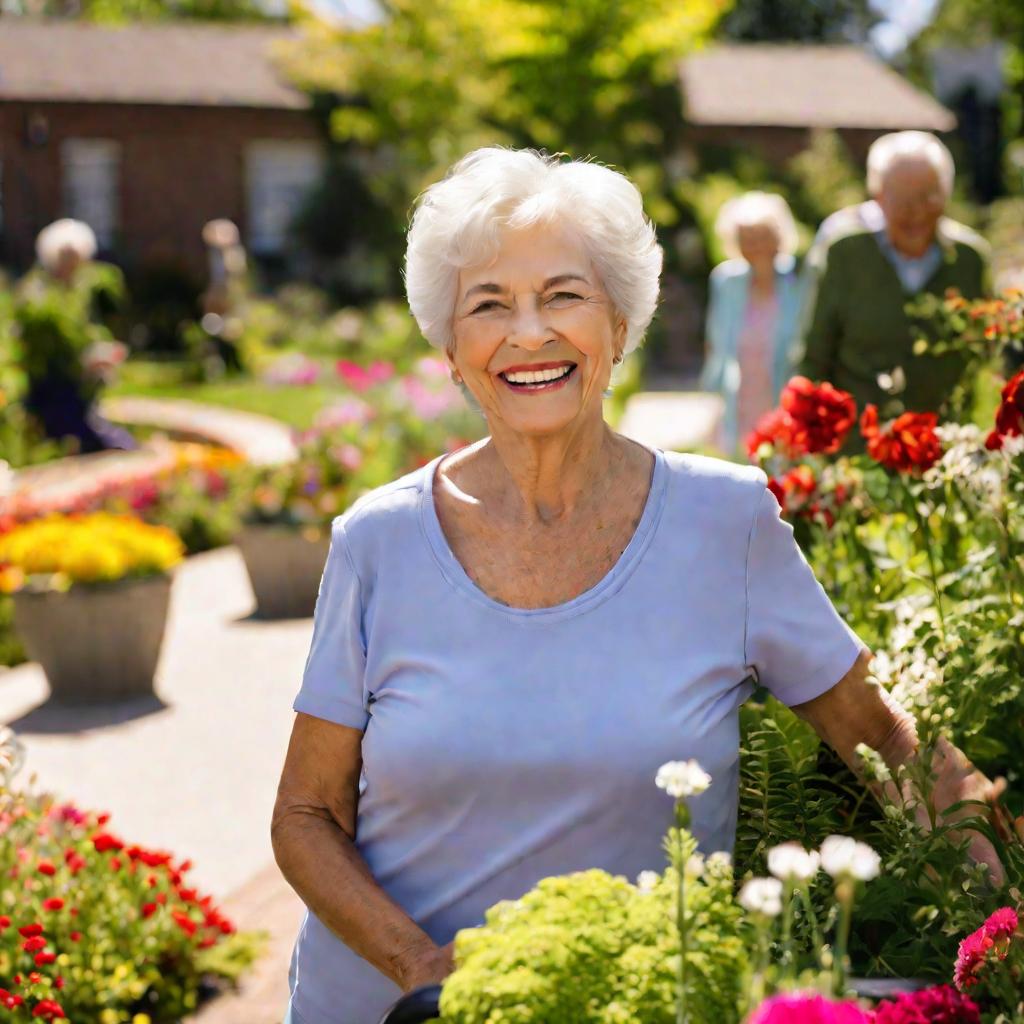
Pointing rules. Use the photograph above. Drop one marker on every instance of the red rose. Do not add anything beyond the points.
(772, 428)
(28, 930)
(909, 444)
(1010, 415)
(820, 416)
(44, 867)
(31, 945)
(53, 903)
(45, 958)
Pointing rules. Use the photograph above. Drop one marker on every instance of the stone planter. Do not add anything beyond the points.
(96, 643)
(284, 568)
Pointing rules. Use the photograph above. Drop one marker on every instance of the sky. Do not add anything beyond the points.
(903, 19)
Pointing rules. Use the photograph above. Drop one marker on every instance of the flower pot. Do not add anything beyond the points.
(285, 569)
(96, 643)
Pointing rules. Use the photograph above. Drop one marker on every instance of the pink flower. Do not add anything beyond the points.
(360, 378)
(939, 1005)
(807, 1008)
(970, 959)
(344, 413)
(428, 403)
(1003, 924)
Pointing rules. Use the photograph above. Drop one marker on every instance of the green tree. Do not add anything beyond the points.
(429, 82)
(822, 21)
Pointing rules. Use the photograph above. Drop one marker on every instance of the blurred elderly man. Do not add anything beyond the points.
(858, 334)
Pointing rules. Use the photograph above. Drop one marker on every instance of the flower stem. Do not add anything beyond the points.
(681, 816)
(844, 893)
(925, 531)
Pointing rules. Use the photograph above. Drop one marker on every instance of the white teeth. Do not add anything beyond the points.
(536, 376)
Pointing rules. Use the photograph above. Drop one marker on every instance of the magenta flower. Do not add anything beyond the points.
(1003, 924)
(807, 1008)
(972, 955)
(344, 413)
(361, 378)
(939, 1005)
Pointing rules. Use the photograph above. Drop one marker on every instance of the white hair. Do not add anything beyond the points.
(64, 234)
(754, 209)
(889, 149)
(458, 220)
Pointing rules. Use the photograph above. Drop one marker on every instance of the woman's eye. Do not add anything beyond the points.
(566, 295)
(484, 305)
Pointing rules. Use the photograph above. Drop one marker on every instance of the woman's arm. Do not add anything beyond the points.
(857, 710)
(313, 831)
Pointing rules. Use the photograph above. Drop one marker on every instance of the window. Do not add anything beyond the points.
(91, 173)
(279, 176)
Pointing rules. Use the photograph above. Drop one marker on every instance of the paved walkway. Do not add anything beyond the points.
(194, 770)
(681, 420)
(262, 440)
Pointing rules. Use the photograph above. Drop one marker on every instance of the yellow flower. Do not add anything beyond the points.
(141, 1018)
(94, 548)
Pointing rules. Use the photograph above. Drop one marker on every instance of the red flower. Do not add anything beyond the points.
(28, 930)
(909, 444)
(5, 922)
(821, 415)
(793, 490)
(75, 936)
(53, 903)
(31, 945)
(44, 867)
(184, 922)
(772, 428)
(48, 1008)
(939, 1005)
(148, 909)
(45, 958)
(104, 841)
(1010, 416)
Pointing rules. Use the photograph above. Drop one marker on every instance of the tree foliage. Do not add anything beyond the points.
(825, 21)
(430, 82)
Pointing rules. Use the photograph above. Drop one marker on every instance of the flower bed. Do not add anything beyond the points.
(93, 928)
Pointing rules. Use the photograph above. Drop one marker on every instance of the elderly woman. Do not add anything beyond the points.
(67, 352)
(859, 336)
(511, 640)
(753, 312)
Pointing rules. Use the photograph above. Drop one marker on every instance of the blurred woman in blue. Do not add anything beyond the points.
(753, 312)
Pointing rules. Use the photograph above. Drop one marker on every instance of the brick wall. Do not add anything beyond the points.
(180, 167)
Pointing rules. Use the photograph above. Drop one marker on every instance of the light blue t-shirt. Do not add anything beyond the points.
(504, 745)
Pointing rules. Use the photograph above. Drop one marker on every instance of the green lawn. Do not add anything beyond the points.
(296, 406)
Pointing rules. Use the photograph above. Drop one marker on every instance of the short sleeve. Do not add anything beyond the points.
(332, 681)
(795, 641)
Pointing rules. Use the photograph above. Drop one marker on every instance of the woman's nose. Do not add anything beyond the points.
(529, 329)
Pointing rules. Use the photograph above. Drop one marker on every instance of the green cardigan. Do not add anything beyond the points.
(857, 328)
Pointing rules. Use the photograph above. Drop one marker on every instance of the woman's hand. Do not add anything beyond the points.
(857, 710)
(430, 967)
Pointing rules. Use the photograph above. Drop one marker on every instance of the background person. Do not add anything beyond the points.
(859, 336)
(753, 312)
(510, 640)
(66, 350)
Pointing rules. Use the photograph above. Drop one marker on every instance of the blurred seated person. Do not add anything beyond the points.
(858, 334)
(66, 351)
(753, 312)
(227, 266)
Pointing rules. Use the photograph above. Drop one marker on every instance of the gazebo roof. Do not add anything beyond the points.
(804, 86)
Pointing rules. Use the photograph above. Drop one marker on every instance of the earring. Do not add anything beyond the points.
(456, 377)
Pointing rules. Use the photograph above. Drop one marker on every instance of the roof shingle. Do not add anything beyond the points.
(799, 85)
(178, 64)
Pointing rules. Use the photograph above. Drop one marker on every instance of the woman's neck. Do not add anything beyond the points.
(540, 480)
(762, 278)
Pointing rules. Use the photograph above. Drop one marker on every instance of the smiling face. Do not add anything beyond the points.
(758, 245)
(912, 199)
(535, 334)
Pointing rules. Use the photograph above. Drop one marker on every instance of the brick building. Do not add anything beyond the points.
(146, 132)
(768, 98)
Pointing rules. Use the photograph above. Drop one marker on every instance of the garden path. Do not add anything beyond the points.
(670, 419)
(262, 440)
(195, 769)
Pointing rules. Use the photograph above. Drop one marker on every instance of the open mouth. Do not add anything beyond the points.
(539, 380)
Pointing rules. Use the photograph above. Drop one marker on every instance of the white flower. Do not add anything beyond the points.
(762, 896)
(719, 863)
(791, 862)
(682, 779)
(844, 857)
(646, 881)
(695, 865)
(1013, 446)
